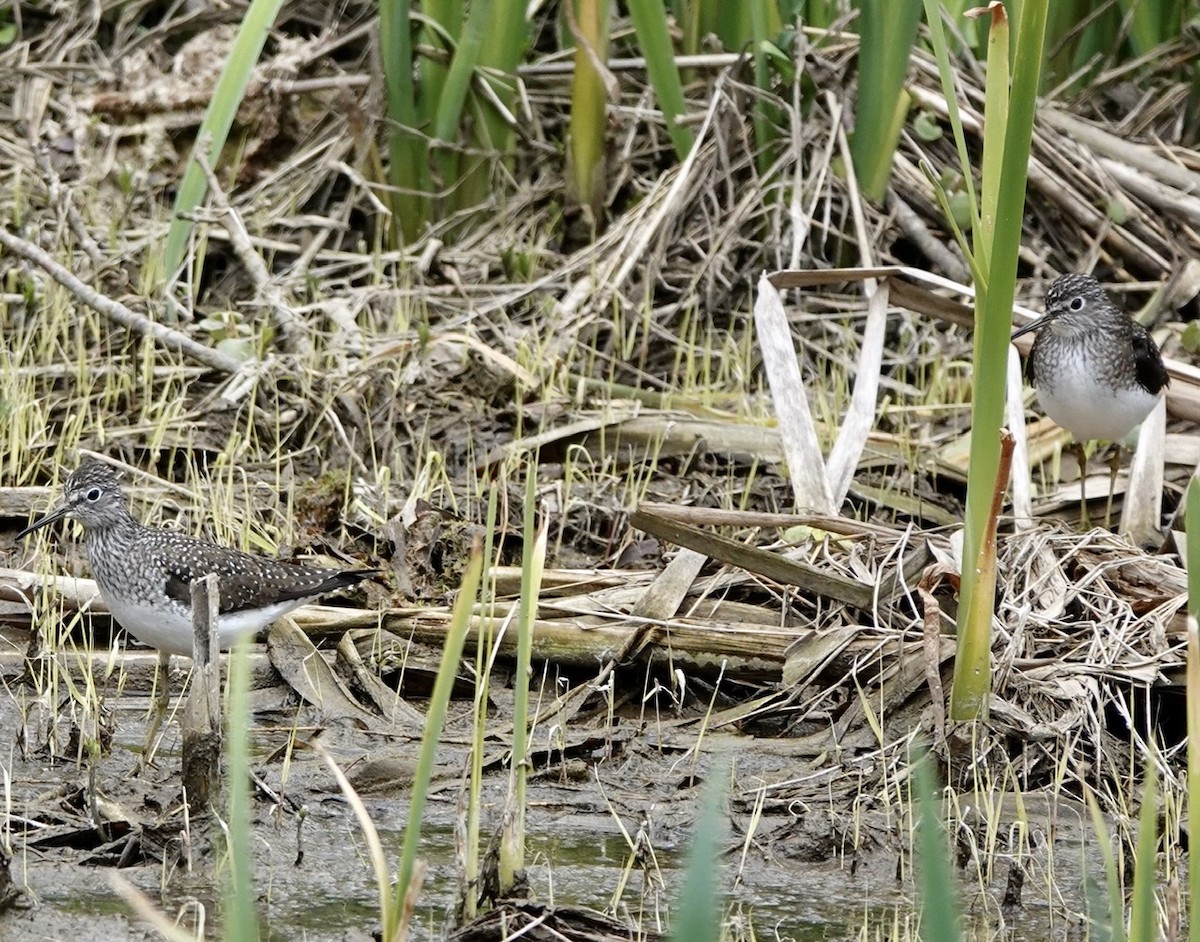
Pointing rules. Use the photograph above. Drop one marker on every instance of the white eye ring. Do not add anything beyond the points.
(1076, 303)
(93, 495)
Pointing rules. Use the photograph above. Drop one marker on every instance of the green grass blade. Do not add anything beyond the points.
(588, 106)
(388, 916)
(493, 40)
(995, 104)
(940, 920)
(408, 163)
(240, 918)
(1023, 105)
(960, 237)
(1114, 929)
(476, 43)
(688, 14)
(819, 13)
(533, 564)
(993, 325)
(1071, 47)
(1142, 908)
(729, 22)
(448, 116)
(504, 46)
(941, 51)
(886, 32)
(1193, 688)
(698, 917)
(766, 116)
(1148, 28)
(650, 23)
(442, 25)
(214, 129)
(463, 63)
(508, 36)
(435, 718)
(395, 53)
(483, 648)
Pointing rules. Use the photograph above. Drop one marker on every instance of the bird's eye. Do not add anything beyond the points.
(1076, 303)
(93, 495)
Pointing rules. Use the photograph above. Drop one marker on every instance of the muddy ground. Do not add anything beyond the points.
(814, 867)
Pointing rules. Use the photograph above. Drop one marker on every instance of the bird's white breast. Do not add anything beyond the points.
(1090, 409)
(170, 628)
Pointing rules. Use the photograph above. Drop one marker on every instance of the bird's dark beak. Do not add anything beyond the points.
(56, 514)
(1031, 326)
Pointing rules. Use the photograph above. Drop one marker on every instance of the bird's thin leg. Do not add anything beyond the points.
(162, 703)
(1085, 519)
(1114, 465)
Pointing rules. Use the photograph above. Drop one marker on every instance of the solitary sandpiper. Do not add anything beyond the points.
(1098, 372)
(145, 574)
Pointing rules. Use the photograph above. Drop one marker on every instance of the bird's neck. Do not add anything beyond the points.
(116, 531)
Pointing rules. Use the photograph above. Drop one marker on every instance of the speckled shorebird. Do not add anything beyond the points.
(145, 574)
(1098, 372)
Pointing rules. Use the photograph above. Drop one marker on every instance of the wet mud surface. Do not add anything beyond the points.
(610, 813)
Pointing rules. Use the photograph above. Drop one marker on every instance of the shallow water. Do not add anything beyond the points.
(814, 869)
